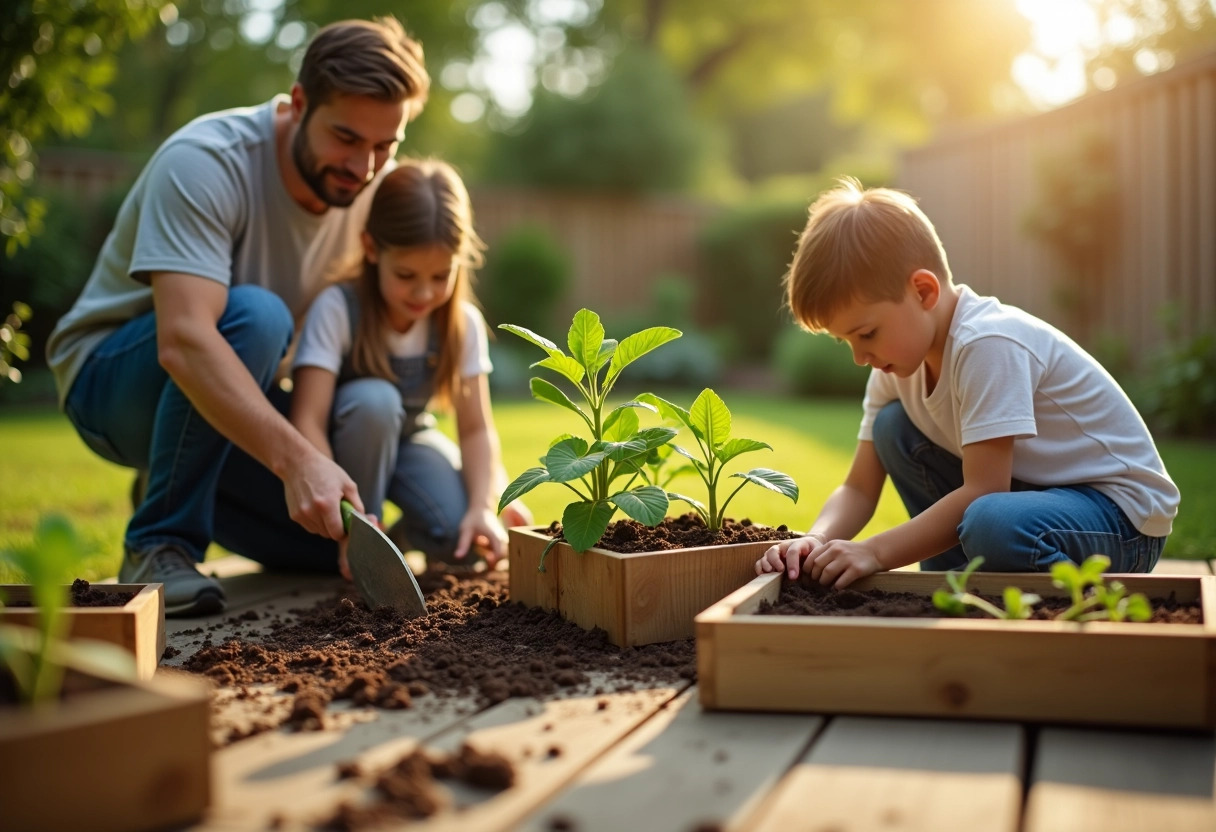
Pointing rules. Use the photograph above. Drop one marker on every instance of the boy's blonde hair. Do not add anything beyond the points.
(859, 244)
(422, 202)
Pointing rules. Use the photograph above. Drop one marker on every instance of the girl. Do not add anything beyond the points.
(376, 349)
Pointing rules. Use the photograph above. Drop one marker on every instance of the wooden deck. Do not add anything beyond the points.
(653, 760)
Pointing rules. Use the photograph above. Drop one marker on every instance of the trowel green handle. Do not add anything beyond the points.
(347, 511)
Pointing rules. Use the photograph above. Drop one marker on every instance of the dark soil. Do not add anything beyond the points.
(84, 595)
(684, 532)
(472, 642)
(815, 599)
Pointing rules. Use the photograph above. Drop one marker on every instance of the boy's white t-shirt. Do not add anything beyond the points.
(326, 338)
(1008, 373)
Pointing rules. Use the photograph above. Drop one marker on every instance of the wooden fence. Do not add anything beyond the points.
(978, 186)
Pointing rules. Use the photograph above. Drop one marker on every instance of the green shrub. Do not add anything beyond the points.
(1178, 394)
(526, 274)
(745, 252)
(815, 365)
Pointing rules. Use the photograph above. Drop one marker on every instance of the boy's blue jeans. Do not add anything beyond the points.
(1026, 529)
(127, 410)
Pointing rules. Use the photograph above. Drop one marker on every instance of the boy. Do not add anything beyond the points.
(1002, 436)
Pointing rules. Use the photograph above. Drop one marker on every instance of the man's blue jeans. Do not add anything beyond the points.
(127, 410)
(1026, 529)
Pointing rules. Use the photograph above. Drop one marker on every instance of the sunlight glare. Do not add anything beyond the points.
(1063, 32)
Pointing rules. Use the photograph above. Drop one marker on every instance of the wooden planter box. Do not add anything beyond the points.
(120, 758)
(138, 625)
(636, 598)
(1161, 675)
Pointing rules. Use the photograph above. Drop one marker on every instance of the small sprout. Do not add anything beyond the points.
(955, 600)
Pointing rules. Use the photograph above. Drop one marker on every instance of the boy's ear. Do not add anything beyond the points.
(927, 287)
(369, 247)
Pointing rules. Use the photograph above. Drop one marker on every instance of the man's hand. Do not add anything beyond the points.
(315, 486)
(787, 555)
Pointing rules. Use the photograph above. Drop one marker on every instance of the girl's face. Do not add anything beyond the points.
(414, 280)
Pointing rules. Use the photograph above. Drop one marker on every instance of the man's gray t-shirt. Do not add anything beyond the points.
(211, 202)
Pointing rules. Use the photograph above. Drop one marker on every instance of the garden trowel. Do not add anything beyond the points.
(381, 574)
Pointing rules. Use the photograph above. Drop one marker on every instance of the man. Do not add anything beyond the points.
(169, 356)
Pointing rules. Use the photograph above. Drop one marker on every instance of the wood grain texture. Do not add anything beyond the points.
(902, 775)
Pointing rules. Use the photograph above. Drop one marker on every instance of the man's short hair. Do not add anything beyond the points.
(859, 244)
(374, 58)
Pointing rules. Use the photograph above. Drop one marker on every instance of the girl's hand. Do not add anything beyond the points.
(481, 526)
(516, 514)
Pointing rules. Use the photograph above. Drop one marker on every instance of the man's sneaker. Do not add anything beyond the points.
(187, 592)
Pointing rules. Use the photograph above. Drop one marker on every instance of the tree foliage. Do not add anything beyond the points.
(57, 59)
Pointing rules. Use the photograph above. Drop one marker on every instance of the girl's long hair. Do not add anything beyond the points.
(420, 203)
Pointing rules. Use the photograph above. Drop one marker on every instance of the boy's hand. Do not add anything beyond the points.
(840, 562)
(787, 555)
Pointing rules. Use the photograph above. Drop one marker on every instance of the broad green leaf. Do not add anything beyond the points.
(570, 460)
(585, 338)
(618, 451)
(620, 424)
(647, 505)
(1093, 567)
(697, 504)
(656, 437)
(711, 418)
(521, 485)
(532, 338)
(563, 364)
(689, 455)
(546, 391)
(1139, 608)
(633, 347)
(772, 480)
(583, 524)
(668, 410)
(607, 349)
(735, 447)
(562, 438)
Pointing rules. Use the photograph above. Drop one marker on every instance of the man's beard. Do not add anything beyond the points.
(314, 175)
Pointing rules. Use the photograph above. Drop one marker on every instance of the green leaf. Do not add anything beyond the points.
(570, 460)
(687, 454)
(633, 347)
(546, 391)
(620, 424)
(531, 337)
(607, 349)
(1139, 608)
(710, 418)
(735, 447)
(585, 338)
(772, 480)
(695, 503)
(521, 485)
(563, 364)
(647, 504)
(656, 437)
(948, 603)
(617, 451)
(583, 523)
(1093, 567)
(668, 410)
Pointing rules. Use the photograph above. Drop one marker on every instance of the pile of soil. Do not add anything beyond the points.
(472, 642)
(684, 532)
(815, 599)
(85, 595)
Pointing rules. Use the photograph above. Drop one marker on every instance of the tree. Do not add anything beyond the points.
(57, 57)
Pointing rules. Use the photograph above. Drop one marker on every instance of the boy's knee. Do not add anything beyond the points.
(987, 531)
(370, 406)
(258, 325)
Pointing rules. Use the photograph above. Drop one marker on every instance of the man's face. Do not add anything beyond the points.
(341, 145)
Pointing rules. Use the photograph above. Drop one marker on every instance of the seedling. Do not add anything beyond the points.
(616, 446)
(37, 658)
(1107, 601)
(709, 421)
(956, 599)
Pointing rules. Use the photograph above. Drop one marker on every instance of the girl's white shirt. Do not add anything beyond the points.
(325, 338)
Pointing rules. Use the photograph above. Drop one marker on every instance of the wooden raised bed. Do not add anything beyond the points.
(639, 598)
(1160, 675)
(120, 758)
(138, 625)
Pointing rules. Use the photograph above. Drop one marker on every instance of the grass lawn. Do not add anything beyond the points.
(46, 468)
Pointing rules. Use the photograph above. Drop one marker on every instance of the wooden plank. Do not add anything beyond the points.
(1102, 780)
(903, 775)
(548, 743)
(1178, 566)
(684, 768)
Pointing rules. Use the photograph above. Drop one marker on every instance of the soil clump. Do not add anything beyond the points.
(472, 642)
(684, 532)
(85, 595)
(797, 598)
